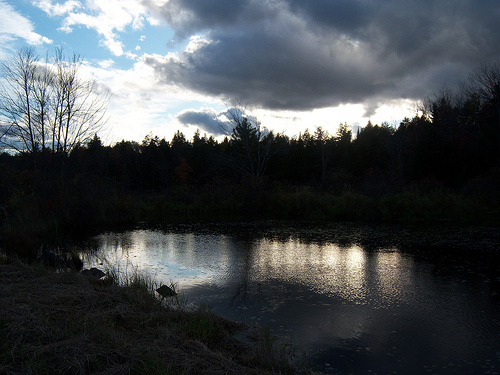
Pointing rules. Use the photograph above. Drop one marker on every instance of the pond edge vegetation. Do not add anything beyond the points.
(65, 322)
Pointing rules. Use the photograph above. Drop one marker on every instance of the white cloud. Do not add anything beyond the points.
(107, 17)
(115, 46)
(131, 56)
(138, 104)
(106, 64)
(13, 25)
(58, 9)
(138, 23)
(195, 43)
(65, 29)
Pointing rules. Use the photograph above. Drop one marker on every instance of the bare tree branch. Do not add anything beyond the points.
(47, 105)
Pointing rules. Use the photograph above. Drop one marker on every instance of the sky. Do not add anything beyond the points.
(293, 64)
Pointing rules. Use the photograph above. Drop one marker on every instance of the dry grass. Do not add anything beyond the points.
(65, 323)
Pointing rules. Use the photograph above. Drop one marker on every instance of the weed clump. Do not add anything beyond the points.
(66, 323)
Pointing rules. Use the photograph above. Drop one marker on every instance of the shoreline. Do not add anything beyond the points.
(65, 322)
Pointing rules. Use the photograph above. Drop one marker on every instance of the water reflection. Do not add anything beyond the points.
(395, 277)
(325, 269)
(350, 309)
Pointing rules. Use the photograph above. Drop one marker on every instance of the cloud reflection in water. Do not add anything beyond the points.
(378, 308)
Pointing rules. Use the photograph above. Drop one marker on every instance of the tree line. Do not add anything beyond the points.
(62, 172)
(50, 114)
(454, 143)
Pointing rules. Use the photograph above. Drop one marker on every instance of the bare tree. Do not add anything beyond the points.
(17, 101)
(484, 84)
(46, 106)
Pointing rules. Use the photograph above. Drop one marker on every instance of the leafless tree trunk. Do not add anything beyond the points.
(46, 106)
(484, 84)
(17, 101)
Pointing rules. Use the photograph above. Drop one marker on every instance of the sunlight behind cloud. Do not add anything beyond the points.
(196, 42)
(296, 64)
(138, 105)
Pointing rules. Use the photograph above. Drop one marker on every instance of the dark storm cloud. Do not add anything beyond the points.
(293, 54)
(343, 15)
(192, 16)
(206, 120)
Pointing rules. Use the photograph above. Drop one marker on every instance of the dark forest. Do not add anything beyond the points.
(442, 164)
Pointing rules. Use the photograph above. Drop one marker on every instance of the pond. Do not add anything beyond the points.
(353, 298)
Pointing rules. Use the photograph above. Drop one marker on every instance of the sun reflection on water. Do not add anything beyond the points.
(326, 269)
(349, 273)
(372, 302)
(394, 276)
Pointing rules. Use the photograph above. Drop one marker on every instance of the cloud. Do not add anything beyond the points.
(206, 119)
(187, 17)
(293, 54)
(138, 105)
(106, 64)
(108, 18)
(58, 9)
(13, 25)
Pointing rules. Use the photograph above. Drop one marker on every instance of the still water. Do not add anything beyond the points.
(359, 300)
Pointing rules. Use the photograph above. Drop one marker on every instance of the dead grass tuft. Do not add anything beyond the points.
(64, 323)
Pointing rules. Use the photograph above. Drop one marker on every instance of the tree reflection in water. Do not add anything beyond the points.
(348, 305)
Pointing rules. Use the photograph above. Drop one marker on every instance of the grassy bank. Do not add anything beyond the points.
(47, 212)
(66, 323)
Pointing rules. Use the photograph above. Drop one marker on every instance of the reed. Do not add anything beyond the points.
(64, 322)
